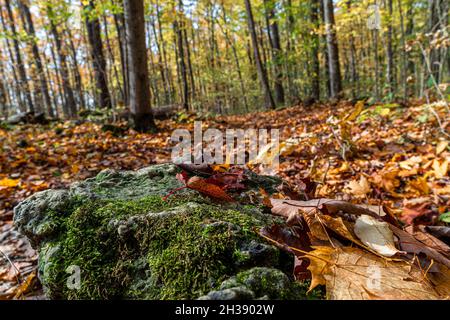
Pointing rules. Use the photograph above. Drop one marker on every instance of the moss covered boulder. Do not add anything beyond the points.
(128, 243)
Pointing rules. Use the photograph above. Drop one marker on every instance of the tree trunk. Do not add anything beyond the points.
(315, 77)
(119, 23)
(69, 107)
(277, 54)
(140, 107)
(113, 60)
(76, 70)
(101, 93)
(333, 50)
(389, 52)
(20, 64)
(262, 74)
(16, 83)
(326, 55)
(177, 26)
(29, 27)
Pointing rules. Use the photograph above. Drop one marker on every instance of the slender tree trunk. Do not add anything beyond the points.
(333, 50)
(177, 25)
(161, 64)
(76, 70)
(277, 54)
(377, 64)
(69, 107)
(20, 64)
(434, 25)
(16, 83)
(262, 74)
(315, 77)
(232, 44)
(189, 62)
(113, 60)
(29, 27)
(404, 51)
(167, 68)
(119, 23)
(101, 93)
(327, 54)
(390, 52)
(140, 107)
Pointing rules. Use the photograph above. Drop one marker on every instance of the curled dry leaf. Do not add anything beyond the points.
(353, 274)
(359, 188)
(410, 244)
(208, 189)
(419, 232)
(376, 235)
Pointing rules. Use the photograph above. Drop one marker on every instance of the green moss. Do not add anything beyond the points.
(193, 252)
(145, 248)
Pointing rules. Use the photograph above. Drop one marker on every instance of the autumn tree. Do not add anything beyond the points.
(141, 112)
(97, 56)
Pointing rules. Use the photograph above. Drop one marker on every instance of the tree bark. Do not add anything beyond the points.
(20, 64)
(277, 54)
(262, 74)
(315, 77)
(69, 106)
(101, 93)
(390, 52)
(120, 23)
(177, 26)
(140, 106)
(333, 50)
(29, 27)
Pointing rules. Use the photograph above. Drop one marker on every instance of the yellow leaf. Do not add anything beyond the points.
(9, 183)
(440, 169)
(441, 147)
(359, 188)
(356, 112)
(420, 184)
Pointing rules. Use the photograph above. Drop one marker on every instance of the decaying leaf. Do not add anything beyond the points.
(419, 232)
(359, 188)
(376, 234)
(410, 244)
(208, 189)
(353, 274)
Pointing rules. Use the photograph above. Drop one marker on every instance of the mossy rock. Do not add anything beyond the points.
(129, 243)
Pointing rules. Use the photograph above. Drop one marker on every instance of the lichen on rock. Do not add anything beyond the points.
(131, 244)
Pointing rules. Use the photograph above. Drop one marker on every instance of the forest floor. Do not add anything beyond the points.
(395, 155)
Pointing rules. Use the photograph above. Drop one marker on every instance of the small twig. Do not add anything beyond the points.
(17, 275)
(436, 115)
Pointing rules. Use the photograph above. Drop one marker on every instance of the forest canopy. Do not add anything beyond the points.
(61, 57)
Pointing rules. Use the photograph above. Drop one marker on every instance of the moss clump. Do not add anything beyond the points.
(147, 248)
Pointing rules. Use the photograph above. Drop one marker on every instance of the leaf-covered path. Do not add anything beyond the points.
(394, 155)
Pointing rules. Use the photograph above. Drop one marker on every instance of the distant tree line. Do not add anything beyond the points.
(60, 57)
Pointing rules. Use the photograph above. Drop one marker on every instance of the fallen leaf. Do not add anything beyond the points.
(359, 188)
(440, 169)
(208, 189)
(9, 183)
(419, 232)
(410, 215)
(376, 235)
(26, 286)
(353, 274)
(441, 146)
(410, 244)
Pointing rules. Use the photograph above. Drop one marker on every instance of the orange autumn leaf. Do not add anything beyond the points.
(208, 189)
